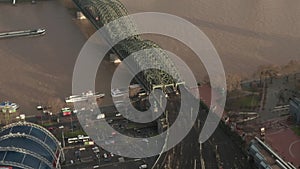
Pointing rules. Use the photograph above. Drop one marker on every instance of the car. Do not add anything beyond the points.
(145, 140)
(100, 116)
(66, 111)
(95, 148)
(106, 157)
(82, 149)
(117, 61)
(51, 128)
(96, 151)
(39, 107)
(143, 166)
(118, 115)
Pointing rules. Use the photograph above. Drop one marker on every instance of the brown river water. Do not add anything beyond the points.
(245, 33)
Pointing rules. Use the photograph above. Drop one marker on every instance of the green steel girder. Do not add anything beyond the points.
(120, 10)
(86, 4)
(110, 10)
(154, 57)
(120, 6)
(107, 12)
(104, 12)
(107, 15)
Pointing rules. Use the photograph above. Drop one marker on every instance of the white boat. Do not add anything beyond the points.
(75, 99)
(84, 97)
(22, 33)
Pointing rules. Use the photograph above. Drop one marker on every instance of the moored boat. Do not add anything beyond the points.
(22, 33)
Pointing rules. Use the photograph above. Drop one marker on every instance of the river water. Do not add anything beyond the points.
(35, 70)
(245, 33)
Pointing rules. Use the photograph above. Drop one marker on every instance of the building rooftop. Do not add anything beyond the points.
(27, 145)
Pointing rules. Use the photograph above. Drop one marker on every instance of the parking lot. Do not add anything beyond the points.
(95, 157)
(81, 155)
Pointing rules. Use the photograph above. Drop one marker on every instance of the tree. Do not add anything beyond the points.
(233, 82)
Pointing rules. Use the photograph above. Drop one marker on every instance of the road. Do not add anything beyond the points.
(219, 150)
(130, 164)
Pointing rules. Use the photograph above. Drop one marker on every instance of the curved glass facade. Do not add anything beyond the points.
(27, 145)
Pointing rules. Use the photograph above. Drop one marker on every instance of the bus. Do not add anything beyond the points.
(72, 140)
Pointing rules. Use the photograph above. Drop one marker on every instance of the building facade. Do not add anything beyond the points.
(26, 145)
(295, 109)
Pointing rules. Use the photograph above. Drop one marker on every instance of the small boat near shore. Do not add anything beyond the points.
(7, 105)
(12, 34)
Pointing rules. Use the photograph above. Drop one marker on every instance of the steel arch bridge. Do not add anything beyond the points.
(102, 12)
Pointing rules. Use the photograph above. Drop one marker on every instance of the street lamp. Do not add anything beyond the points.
(62, 136)
(71, 123)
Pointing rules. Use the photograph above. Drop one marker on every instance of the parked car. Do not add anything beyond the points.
(100, 116)
(51, 128)
(143, 166)
(95, 148)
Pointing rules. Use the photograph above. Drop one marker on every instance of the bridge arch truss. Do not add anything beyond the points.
(102, 12)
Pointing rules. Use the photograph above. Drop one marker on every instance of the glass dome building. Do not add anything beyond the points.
(25, 145)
